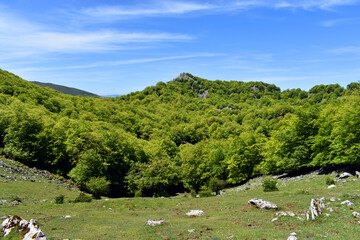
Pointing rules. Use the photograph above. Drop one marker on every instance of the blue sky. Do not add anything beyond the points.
(116, 47)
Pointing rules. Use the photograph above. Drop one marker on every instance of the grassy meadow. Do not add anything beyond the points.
(226, 216)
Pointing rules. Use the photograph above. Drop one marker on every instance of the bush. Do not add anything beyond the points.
(98, 186)
(83, 198)
(59, 199)
(329, 181)
(269, 184)
(205, 193)
(216, 185)
(138, 193)
(193, 193)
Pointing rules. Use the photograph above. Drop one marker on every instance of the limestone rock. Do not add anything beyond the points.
(316, 207)
(292, 236)
(345, 175)
(356, 214)
(331, 186)
(357, 174)
(195, 213)
(155, 223)
(347, 202)
(262, 204)
(30, 230)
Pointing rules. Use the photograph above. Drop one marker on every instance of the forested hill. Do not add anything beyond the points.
(66, 90)
(178, 135)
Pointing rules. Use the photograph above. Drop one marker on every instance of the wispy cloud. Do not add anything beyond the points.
(177, 8)
(117, 63)
(21, 37)
(354, 50)
(339, 21)
(162, 8)
(314, 4)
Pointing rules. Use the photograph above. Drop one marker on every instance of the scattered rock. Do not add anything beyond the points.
(330, 209)
(191, 230)
(356, 214)
(195, 213)
(316, 207)
(345, 175)
(30, 230)
(262, 204)
(230, 237)
(292, 236)
(332, 199)
(300, 218)
(328, 215)
(347, 202)
(357, 174)
(291, 214)
(66, 216)
(155, 223)
(331, 186)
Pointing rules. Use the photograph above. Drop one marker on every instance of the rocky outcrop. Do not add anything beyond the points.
(29, 230)
(316, 207)
(345, 175)
(184, 76)
(262, 204)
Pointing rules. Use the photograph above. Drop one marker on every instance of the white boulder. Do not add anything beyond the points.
(195, 213)
(345, 175)
(154, 223)
(347, 202)
(262, 204)
(316, 207)
(292, 236)
(356, 214)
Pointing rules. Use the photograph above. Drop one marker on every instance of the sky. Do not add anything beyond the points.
(117, 47)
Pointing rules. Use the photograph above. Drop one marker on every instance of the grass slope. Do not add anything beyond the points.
(225, 215)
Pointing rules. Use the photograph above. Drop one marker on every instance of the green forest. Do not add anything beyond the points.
(182, 135)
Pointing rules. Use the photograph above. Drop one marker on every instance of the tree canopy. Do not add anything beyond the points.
(179, 135)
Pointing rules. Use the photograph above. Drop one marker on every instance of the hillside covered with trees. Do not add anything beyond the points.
(179, 135)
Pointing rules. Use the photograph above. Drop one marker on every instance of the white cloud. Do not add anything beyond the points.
(116, 63)
(163, 8)
(175, 8)
(339, 21)
(20, 38)
(313, 4)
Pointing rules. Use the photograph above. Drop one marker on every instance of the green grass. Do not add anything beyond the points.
(225, 215)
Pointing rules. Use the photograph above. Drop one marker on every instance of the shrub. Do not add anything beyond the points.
(138, 193)
(205, 193)
(329, 181)
(216, 185)
(269, 184)
(83, 198)
(193, 193)
(59, 199)
(98, 186)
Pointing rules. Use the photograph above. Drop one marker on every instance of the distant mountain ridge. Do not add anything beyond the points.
(66, 90)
